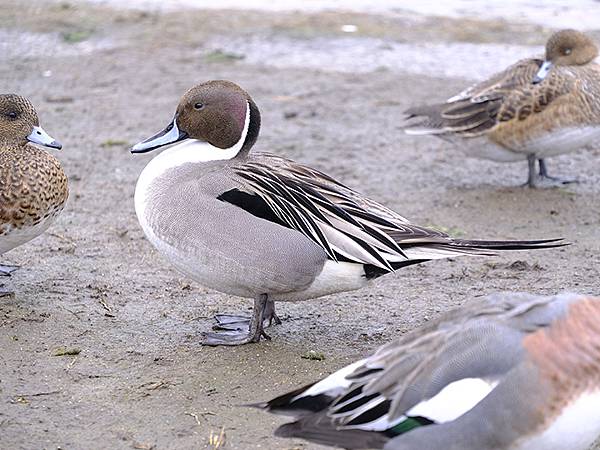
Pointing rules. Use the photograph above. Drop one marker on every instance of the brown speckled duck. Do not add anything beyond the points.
(534, 109)
(33, 185)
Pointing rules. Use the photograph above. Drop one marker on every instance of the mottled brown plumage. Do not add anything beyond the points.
(33, 185)
(533, 109)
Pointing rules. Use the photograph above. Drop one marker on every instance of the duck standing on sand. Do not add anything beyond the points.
(535, 109)
(508, 372)
(260, 226)
(33, 185)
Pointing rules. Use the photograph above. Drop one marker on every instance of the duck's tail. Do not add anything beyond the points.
(481, 247)
(420, 252)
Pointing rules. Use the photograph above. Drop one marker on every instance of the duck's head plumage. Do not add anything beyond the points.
(567, 48)
(19, 123)
(570, 48)
(218, 112)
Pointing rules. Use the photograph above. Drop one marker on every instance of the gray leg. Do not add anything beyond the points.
(270, 313)
(531, 176)
(544, 175)
(6, 270)
(253, 332)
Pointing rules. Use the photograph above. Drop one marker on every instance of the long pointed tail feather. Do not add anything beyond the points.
(288, 405)
(506, 245)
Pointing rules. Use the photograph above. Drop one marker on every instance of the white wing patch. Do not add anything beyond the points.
(450, 403)
(454, 400)
(334, 384)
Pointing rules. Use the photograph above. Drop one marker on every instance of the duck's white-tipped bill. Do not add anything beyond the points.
(543, 72)
(39, 136)
(169, 135)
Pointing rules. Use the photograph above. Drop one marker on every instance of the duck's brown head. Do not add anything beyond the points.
(218, 112)
(19, 123)
(567, 48)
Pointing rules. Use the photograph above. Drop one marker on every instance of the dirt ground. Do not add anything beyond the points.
(137, 376)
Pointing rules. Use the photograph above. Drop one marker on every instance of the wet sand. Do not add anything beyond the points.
(103, 79)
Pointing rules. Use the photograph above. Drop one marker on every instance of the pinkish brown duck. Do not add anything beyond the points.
(508, 372)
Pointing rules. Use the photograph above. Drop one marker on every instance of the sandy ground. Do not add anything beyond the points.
(102, 80)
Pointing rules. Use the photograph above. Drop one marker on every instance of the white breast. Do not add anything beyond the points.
(556, 142)
(577, 427)
(562, 140)
(190, 151)
(13, 237)
(482, 148)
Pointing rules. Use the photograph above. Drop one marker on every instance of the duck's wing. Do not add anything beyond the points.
(519, 74)
(432, 375)
(508, 95)
(348, 226)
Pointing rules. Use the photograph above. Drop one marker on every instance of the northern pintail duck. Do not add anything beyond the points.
(260, 226)
(33, 186)
(534, 109)
(512, 371)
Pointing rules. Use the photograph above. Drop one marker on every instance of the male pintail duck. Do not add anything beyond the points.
(512, 371)
(534, 109)
(260, 226)
(33, 186)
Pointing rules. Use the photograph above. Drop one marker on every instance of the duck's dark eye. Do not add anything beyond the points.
(199, 106)
(12, 115)
(567, 51)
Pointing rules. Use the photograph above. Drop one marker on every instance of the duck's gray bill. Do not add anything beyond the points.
(167, 136)
(39, 136)
(543, 72)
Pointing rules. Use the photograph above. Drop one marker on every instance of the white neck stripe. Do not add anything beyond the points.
(235, 149)
(189, 151)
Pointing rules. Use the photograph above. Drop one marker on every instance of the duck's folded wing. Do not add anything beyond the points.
(347, 226)
(505, 96)
(519, 74)
(479, 342)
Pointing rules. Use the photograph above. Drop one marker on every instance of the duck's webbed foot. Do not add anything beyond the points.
(239, 330)
(235, 322)
(6, 270)
(5, 292)
(541, 178)
(270, 314)
(548, 178)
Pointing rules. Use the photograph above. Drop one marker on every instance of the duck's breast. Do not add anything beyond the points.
(216, 243)
(11, 235)
(33, 191)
